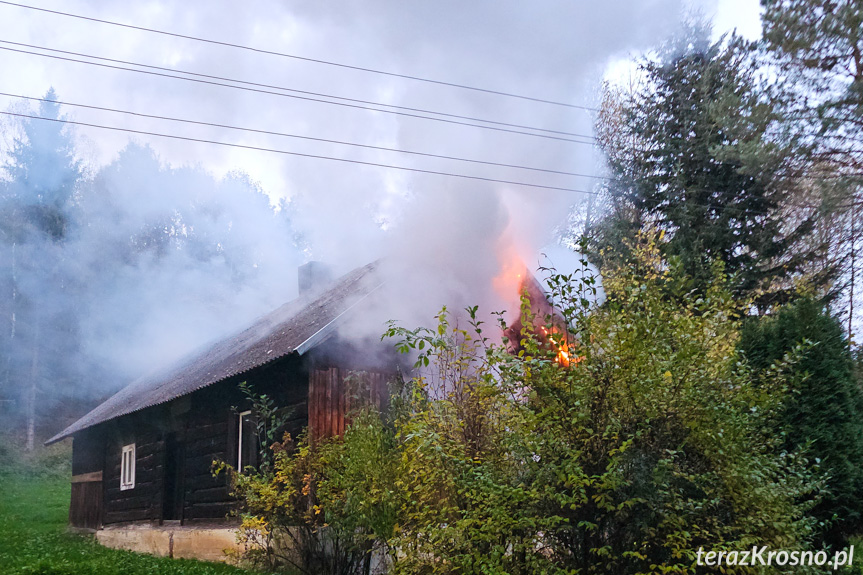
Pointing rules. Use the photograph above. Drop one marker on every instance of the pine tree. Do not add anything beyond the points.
(695, 152)
(825, 406)
(36, 201)
(817, 46)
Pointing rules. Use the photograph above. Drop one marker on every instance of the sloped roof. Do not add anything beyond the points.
(295, 327)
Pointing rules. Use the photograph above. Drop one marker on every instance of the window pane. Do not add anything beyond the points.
(127, 467)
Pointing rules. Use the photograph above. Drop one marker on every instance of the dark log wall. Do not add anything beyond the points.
(144, 502)
(205, 496)
(211, 434)
(176, 443)
(88, 451)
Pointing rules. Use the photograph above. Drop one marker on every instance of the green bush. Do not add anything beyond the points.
(619, 440)
(53, 461)
(823, 410)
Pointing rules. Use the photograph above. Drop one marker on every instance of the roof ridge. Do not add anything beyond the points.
(269, 337)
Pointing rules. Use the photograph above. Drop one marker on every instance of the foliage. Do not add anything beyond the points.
(815, 47)
(619, 439)
(697, 149)
(269, 420)
(54, 461)
(41, 175)
(38, 182)
(327, 506)
(824, 409)
(645, 446)
(819, 44)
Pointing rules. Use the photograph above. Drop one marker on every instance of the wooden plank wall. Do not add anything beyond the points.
(85, 507)
(144, 502)
(335, 392)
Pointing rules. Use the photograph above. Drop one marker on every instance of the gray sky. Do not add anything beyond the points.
(553, 50)
(452, 241)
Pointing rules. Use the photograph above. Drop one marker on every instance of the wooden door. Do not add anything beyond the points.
(85, 506)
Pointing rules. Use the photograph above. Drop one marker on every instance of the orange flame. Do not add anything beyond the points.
(562, 356)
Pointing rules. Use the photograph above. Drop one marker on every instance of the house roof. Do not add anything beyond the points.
(295, 327)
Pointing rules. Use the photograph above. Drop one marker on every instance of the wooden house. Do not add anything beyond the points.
(144, 456)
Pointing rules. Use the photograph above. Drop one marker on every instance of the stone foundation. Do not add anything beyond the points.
(205, 543)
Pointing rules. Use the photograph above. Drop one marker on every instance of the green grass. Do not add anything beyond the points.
(33, 539)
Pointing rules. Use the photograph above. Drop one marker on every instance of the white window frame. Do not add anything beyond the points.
(240, 440)
(127, 467)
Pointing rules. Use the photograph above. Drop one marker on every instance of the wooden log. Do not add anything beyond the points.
(217, 494)
(87, 477)
(127, 516)
(209, 510)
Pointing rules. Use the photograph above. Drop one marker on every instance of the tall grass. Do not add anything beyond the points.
(34, 507)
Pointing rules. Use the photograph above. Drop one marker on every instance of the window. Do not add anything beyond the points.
(247, 442)
(127, 467)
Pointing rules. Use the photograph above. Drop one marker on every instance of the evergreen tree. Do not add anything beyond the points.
(817, 46)
(36, 202)
(695, 152)
(41, 173)
(824, 406)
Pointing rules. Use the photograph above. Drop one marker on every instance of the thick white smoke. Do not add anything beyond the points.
(172, 245)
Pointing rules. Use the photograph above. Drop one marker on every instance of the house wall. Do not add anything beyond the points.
(145, 500)
(204, 425)
(88, 458)
(212, 432)
(178, 441)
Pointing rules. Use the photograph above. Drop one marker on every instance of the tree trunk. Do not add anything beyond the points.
(31, 394)
(853, 272)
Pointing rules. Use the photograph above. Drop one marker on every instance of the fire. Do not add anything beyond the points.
(562, 356)
(512, 282)
(566, 356)
(509, 282)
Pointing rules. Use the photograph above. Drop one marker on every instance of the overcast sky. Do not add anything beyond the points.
(552, 50)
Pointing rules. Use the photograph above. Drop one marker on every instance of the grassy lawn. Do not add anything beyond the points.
(33, 540)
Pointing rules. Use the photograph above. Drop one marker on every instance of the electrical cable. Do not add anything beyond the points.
(247, 83)
(301, 154)
(287, 135)
(374, 164)
(303, 58)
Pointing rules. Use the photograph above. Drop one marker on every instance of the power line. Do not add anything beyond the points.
(306, 92)
(287, 135)
(301, 154)
(261, 91)
(739, 209)
(303, 58)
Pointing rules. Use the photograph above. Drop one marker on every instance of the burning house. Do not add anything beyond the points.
(142, 459)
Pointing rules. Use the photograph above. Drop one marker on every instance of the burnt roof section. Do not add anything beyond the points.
(295, 327)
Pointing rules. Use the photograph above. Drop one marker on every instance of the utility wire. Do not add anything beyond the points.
(282, 94)
(303, 58)
(306, 92)
(739, 209)
(301, 154)
(287, 135)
